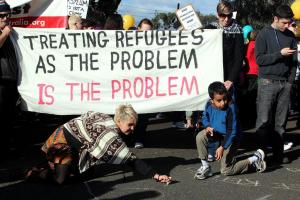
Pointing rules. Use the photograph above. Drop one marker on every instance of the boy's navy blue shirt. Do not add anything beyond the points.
(224, 122)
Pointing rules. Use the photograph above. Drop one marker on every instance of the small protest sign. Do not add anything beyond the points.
(79, 7)
(188, 18)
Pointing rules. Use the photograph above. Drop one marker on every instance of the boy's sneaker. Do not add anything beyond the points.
(203, 173)
(260, 164)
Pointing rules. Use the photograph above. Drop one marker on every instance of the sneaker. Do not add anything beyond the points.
(260, 164)
(210, 158)
(160, 116)
(138, 145)
(203, 173)
(286, 160)
(287, 146)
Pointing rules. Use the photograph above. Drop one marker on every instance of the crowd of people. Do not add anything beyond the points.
(263, 63)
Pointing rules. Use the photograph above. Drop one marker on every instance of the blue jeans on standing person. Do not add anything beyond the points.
(272, 108)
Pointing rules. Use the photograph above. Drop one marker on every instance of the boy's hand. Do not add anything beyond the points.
(219, 153)
(209, 131)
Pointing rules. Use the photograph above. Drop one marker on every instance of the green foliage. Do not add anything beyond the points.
(169, 20)
(163, 19)
(207, 19)
(257, 13)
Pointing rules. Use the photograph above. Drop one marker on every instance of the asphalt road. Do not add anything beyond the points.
(168, 150)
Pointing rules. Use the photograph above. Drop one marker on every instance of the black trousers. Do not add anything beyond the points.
(8, 99)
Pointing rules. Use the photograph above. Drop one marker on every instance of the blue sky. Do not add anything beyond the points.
(146, 8)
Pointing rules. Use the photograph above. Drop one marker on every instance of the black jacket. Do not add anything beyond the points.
(8, 62)
(233, 50)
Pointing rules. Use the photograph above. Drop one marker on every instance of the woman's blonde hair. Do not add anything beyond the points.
(73, 20)
(124, 113)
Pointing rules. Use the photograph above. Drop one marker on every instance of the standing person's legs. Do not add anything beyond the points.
(251, 99)
(177, 118)
(266, 97)
(281, 118)
(298, 102)
(140, 130)
(282, 107)
(8, 97)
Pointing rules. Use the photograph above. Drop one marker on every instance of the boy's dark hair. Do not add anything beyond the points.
(284, 11)
(216, 88)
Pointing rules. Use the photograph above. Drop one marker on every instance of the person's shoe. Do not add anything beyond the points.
(138, 145)
(260, 164)
(160, 116)
(179, 125)
(286, 160)
(287, 146)
(210, 158)
(203, 173)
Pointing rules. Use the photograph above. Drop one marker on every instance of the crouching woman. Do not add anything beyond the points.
(89, 140)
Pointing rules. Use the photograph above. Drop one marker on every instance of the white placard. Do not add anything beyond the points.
(188, 18)
(79, 7)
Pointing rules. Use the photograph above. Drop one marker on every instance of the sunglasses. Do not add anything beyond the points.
(7, 15)
(225, 15)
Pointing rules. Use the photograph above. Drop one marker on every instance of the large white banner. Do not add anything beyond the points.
(15, 3)
(40, 14)
(71, 72)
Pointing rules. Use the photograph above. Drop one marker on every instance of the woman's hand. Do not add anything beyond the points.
(163, 178)
(228, 84)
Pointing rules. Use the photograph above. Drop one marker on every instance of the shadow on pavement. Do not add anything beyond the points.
(79, 189)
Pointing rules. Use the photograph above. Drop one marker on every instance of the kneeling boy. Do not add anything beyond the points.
(220, 122)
